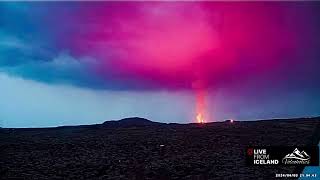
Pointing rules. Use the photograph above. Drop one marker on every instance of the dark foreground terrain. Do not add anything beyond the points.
(135, 148)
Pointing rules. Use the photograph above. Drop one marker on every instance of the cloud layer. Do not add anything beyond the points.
(153, 45)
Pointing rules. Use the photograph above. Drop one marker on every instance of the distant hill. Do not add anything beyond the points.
(130, 122)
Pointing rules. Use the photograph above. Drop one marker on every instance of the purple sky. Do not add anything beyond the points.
(82, 62)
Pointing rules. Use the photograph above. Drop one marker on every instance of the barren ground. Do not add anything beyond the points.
(152, 151)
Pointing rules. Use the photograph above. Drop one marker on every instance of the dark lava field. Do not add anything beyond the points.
(136, 148)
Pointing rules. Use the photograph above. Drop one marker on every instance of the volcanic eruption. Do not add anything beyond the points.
(201, 112)
(182, 46)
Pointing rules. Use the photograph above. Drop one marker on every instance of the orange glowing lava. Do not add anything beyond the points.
(200, 118)
(201, 106)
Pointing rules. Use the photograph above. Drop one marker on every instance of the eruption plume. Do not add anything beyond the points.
(201, 106)
(201, 93)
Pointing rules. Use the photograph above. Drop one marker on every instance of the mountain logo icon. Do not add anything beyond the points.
(296, 157)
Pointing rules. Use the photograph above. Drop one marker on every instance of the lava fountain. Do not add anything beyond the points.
(201, 106)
